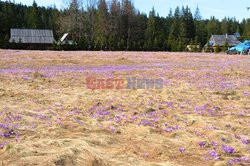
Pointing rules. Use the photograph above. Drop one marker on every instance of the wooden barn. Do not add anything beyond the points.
(220, 41)
(32, 38)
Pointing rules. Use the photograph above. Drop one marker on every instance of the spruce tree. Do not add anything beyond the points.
(102, 25)
(150, 34)
(34, 19)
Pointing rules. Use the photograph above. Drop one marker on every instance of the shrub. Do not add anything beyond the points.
(225, 47)
(217, 49)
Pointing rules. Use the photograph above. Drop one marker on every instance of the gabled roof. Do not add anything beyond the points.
(220, 40)
(32, 36)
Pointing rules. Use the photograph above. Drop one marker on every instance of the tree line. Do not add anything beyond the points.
(118, 25)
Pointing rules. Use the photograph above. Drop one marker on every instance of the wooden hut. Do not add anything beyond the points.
(32, 38)
(220, 41)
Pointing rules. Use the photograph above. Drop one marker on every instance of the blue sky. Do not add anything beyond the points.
(218, 8)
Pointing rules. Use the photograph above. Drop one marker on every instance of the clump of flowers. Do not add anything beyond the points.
(228, 149)
(202, 143)
(239, 160)
(214, 155)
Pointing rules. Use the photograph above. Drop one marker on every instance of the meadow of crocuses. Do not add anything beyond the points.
(49, 117)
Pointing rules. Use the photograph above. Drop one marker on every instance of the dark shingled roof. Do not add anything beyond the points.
(220, 40)
(32, 36)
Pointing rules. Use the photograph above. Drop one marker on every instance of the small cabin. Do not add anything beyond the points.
(220, 41)
(32, 38)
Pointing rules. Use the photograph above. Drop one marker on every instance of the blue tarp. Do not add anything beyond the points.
(242, 47)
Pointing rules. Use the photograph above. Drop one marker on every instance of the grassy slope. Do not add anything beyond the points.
(73, 134)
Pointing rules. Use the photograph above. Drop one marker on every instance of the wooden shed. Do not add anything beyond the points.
(32, 37)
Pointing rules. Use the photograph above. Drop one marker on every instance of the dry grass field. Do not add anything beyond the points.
(49, 117)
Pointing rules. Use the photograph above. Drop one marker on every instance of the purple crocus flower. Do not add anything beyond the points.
(118, 119)
(244, 141)
(5, 126)
(228, 149)
(214, 155)
(145, 122)
(246, 159)
(234, 161)
(169, 104)
(202, 143)
(182, 150)
(105, 113)
(238, 160)
(236, 136)
(133, 118)
(6, 135)
(199, 109)
(113, 129)
(15, 126)
(214, 143)
(18, 118)
(169, 129)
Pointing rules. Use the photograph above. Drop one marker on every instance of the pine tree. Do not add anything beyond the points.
(150, 34)
(200, 29)
(115, 11)
(34, 19)
(213, 26)
(187, 31)
(127, 22)
(175, 30)
(197, 14)
(102, 25)
(224, 26)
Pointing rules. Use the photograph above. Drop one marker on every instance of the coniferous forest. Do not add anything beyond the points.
(118, 25)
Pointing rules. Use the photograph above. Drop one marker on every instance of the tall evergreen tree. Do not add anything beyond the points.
(197, 14)
(114, 23)
(102, 25)
(187, 30)
(174, 30)
(213, 26)
(150, 34)
(127, 22)
(34, 19)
